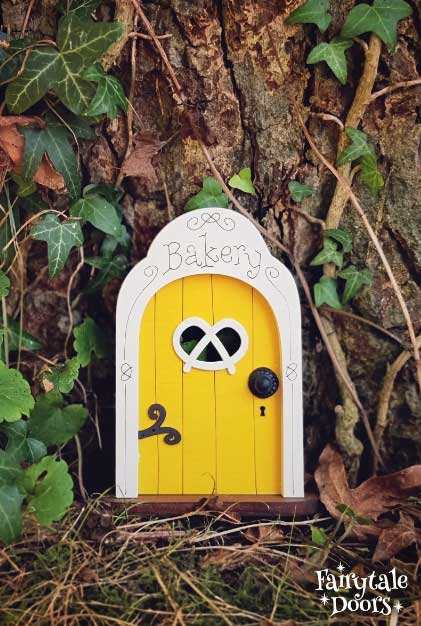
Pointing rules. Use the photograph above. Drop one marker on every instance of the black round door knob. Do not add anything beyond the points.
(263, 382)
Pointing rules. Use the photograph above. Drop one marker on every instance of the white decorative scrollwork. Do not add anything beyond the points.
(210, 336)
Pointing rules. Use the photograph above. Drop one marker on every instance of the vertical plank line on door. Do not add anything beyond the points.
(253, 293)
(215, 485)
(182, 393)
(155, 391)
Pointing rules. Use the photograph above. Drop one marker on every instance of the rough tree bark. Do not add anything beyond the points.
(226, 64)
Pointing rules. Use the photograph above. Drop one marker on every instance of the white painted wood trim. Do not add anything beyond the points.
(208, 241)
(227, 362)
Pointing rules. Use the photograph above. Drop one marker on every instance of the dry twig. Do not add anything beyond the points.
(386, 392)
(129, 116)
(339, 366)
(26, 19)
(391, 88)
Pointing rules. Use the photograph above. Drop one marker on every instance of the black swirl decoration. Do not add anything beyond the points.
(225, 223)
(158, 413)
(272, 274)
(150, 272)
(126, 372)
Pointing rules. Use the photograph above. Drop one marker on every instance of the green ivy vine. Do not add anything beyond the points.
(63, 91)
(54, 94)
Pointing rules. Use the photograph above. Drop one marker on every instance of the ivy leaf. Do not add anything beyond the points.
(99, 212)
(370, 172)
(326, 292)
(89, 338)
(41, 68)
(63, 377)
(61, 237)
(10, 513)
(53, 423)
(49, 489)
(242, 181)
(211, 196)
(15, 395)
(53, 141)
(70, 87)
(312, 12)
(346, 510)
(16, 338)
(333, 54)
(9, 64)
(361, 150)
(381, 18)
(20, 447)
(110, 267)
(299, 191)
(359, 147)
(4, 285)
(355, 280)
(318, 536)
(110, 193)
(82, 8)
(10, 469)
(329, 254)
(341, 236)
(109, 96)
(62, 156)
(80, 42)
(25, 188)
(80, 126)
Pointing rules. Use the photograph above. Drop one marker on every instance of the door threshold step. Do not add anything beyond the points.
(244, 505)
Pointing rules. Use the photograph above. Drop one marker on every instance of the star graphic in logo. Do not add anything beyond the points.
(340, 568)
(397, 606)
(324, 599)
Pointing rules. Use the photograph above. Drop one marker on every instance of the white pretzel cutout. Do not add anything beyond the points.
(210, 336)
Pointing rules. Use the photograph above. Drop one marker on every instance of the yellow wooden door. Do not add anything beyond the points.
(230, 441)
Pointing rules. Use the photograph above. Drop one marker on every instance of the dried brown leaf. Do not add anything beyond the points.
(139, 161)
(396, 538)
(301, 573)
(47, 384)
(49, 177)
(217, 503)
(12, 144)
(373, 497)
(21, 120)
(264, 535)
(194, 125)
(225, 558)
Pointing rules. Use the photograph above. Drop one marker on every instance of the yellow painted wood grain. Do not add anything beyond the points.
(199, 454)
(234, 402)
(169, 384)
(148, 448)
(226, 446)
(267, 427)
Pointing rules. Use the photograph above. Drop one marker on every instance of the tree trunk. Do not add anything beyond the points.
(224, 59)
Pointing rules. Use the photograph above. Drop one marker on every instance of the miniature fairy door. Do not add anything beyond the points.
(210, 364)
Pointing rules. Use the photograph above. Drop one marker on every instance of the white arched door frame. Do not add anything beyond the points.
(208, 241)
